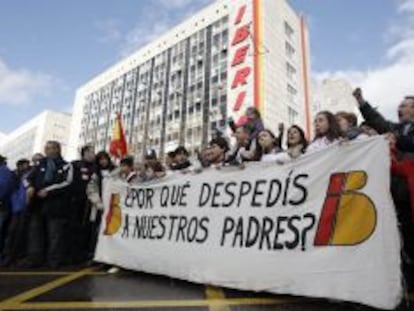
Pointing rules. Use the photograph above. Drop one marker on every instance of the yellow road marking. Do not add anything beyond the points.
(46, 273)
(16, 300)
(149, 304)
(216, 294)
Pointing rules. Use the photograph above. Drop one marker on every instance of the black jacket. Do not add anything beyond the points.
(82, 175)
(56, 203)
(404, 131)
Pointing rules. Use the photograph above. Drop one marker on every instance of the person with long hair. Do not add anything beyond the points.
(296, 145)
(327, 131)
(267, 146)
(104, 168)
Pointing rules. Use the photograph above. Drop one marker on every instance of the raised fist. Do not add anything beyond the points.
(358, 95)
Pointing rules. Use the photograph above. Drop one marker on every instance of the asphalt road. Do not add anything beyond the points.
(95, 289)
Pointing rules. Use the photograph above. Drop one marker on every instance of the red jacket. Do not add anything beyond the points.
(405, 169)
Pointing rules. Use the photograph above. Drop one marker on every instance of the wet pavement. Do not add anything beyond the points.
(94, 289)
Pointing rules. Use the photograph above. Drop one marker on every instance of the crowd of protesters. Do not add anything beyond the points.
(51, 210)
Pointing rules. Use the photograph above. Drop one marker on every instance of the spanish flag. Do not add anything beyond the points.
(118, 146)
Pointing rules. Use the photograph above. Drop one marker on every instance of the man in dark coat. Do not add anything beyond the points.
(404, 129)
(49, 185)
(404, 134)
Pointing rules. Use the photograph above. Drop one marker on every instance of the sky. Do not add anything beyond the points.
(49, 48)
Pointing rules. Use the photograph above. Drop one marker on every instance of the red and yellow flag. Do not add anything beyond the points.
(118, 146)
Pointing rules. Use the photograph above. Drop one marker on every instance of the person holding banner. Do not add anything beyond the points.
(127, 172)
(367, 129)
(296, 143)
(181, 161)
(326, 131)
(244, 150)
(216, 153)
(348, 124)
(267, 146)
(104, 167)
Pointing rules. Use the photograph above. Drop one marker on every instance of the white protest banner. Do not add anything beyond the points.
(321, 226)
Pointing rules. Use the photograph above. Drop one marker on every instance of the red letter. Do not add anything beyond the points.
(240, 35)
(240, 15)
(239, 101)
(241, 77)
(240, 55)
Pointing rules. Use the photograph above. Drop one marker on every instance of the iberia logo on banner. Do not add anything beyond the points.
(348, 217)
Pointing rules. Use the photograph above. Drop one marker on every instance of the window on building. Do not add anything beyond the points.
(292, 115)
(290, 50)
(292, 92)
(289, 30)
(290, 71)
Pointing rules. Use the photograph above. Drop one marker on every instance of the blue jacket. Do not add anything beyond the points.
(7, 183)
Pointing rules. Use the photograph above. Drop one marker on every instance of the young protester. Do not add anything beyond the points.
(127, 171)
(216, 154)
(103, 169)
(267, 146)
(348, 125)
(326, 132)
(170, 161)
(252, 120)
(154, 168)
(244, 150)
(182, 161)
(296, 143)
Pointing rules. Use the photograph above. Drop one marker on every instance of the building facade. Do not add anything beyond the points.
(32, 136)
(334, 95)
(179, 88)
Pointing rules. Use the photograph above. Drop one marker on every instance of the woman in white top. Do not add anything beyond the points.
(267, 146)
(326, 131)
(296, 143)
